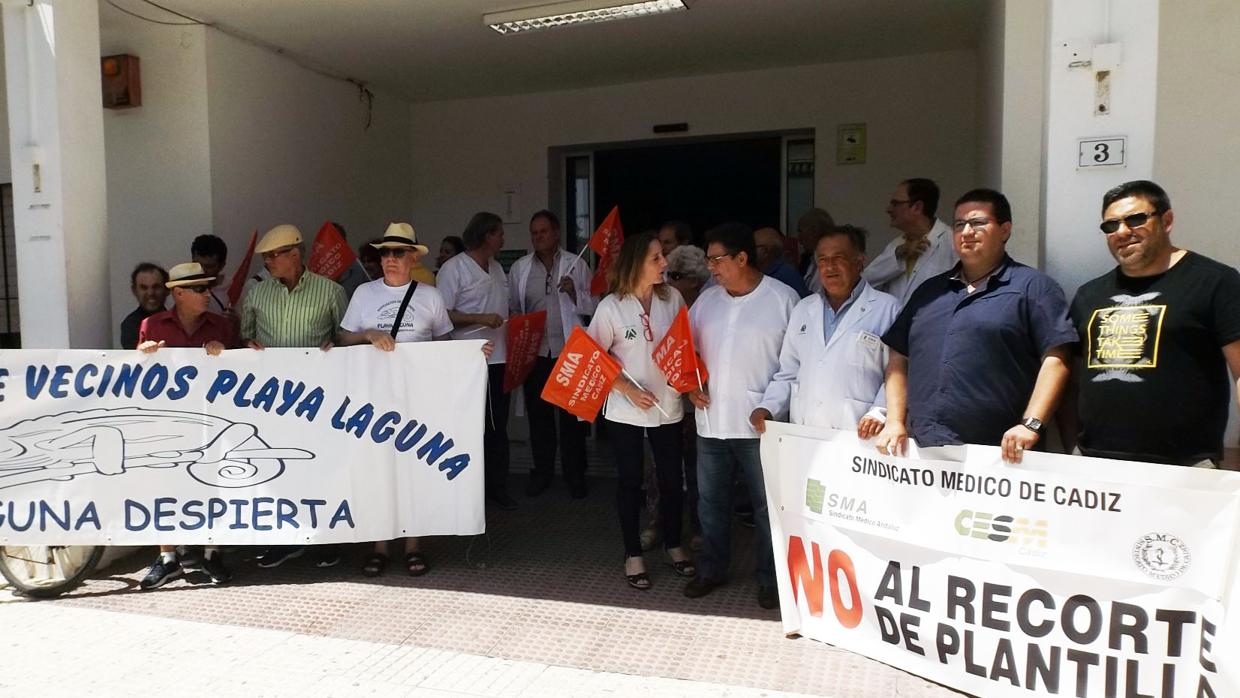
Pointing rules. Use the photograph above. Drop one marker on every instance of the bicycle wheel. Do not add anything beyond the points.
(45, 571)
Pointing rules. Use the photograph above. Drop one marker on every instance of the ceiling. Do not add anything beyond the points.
(430, 50)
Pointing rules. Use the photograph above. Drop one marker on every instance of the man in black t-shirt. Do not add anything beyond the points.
(1158, 334)
(146, 282)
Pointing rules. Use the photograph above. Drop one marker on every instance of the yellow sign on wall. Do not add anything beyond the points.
(850, 144)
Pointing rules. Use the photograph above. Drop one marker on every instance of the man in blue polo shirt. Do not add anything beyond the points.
(980, 353)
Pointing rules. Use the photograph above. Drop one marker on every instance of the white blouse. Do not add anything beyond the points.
(468, 288)
(618, 327)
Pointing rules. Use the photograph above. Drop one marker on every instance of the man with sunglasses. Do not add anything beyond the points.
(553, 280)
(979, 354)
(924, 248)
(293, 308)
(188, 325)
(1160, 331)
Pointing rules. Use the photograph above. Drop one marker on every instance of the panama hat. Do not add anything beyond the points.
(400, 235)
(187, 274)
(279, 236)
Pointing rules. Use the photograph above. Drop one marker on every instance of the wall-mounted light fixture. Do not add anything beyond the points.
(564, 14)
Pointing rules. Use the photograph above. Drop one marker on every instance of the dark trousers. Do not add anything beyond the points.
(543, 417)
(667, 445)
(495, 433)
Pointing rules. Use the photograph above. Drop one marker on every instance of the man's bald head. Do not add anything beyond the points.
(770, 244)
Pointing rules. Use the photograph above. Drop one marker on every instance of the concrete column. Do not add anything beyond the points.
(59, 191)
(1088, 37)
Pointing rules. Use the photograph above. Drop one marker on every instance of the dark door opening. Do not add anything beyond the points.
(702, 184)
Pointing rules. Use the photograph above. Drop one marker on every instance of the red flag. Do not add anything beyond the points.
(331, 255)
(606, 243)
(582, 376)
(243, 271)
(676, 357)
(525, 333)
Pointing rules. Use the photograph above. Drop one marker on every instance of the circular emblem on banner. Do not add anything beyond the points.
(1161, 556)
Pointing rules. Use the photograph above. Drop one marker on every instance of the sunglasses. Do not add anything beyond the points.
(1135, 220)
(397, 252)
(197, 289)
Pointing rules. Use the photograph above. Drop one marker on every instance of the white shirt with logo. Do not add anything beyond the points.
(617, 326)
(374, 306)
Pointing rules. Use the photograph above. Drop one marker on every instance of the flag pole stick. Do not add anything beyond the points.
(701, 387)
(657, 406)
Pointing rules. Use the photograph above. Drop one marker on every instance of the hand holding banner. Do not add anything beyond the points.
(525, 333)
(606, 242)
(582, 376)
(243, 271)
(331, 255)
(677, 358)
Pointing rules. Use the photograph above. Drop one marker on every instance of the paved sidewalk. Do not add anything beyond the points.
(537, 606)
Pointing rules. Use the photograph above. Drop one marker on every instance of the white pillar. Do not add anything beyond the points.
(1087, 37)
(59, 193)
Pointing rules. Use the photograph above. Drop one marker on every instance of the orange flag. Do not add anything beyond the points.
(243, 271)
(606, 243)
(525, 333)
(582, 376)
(331, 255)
(676, 357)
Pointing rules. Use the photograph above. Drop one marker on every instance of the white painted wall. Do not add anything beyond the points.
(920, 110)
(1024, 116)
(1075, 250)
(990, 95)
(158, 156)
(6, 170)
(290, 146)
(1197, 146)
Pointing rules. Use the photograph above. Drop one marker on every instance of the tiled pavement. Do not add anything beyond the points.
(540, 595)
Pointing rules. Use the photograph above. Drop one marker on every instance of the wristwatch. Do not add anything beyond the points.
(1033, 424)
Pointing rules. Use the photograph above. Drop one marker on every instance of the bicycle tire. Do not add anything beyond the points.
(44, 588)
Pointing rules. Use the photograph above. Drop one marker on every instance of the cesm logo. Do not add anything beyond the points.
(1029, 535)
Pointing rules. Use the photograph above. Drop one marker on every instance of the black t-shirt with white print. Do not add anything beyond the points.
(1155, 384)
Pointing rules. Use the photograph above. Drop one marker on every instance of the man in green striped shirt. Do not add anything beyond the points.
(295, 307)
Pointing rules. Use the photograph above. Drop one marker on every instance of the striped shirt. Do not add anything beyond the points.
(307, 316)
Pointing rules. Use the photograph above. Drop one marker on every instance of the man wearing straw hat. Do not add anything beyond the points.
(386, 311)
(293, 308)
(188, 325)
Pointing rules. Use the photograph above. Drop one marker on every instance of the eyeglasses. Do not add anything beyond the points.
(397, 252)
(1130, 222)
(974, 223)
(646, 327)
(197, 289)
(898, 202)
(278, 252)
(712, 261)
(547, 285)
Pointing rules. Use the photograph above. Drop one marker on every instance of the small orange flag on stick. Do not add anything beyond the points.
(606, 243)
(243, 272)
(677, 358)
(582, 377)
(525, 333)
(331, 255)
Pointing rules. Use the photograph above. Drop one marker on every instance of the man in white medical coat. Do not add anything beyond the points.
(832, 361)
(924, 248)
(551, 279)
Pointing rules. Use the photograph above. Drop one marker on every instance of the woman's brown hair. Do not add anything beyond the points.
(625, 275)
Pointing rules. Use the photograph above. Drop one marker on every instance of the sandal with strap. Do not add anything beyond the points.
(375, 565)
(416, 565)
(639, 581)
(684, 568)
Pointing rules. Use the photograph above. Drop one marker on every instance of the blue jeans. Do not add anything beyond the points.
(718, 462)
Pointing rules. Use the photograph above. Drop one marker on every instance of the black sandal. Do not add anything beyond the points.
(416, 565)
(639, 581)
(375, 565)
(684, 568)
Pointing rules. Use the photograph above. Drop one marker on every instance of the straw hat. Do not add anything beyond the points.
(279, 236)
(187, 274)
(400, 235)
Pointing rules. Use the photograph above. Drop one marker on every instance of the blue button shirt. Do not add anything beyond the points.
(974, 357)
(830, 317)
(785, 273)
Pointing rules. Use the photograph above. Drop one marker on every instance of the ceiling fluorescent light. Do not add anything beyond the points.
(563, 14)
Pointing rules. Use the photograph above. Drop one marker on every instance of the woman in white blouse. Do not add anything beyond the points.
(628, 323)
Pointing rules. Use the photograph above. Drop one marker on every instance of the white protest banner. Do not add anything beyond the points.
(281, 446)
(1061, 576)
